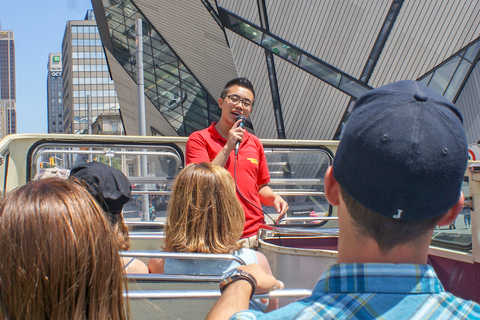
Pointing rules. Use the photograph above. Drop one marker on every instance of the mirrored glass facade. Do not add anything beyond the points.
(447, 78)
(327, 54)
(169, 85)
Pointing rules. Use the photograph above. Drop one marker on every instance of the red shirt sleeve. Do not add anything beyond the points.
(196, 149)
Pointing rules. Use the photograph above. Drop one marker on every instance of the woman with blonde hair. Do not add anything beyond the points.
(58, 255)
(204, 216)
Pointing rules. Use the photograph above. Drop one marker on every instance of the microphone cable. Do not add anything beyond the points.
(238, 190)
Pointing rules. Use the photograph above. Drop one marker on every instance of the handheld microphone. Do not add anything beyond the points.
(241, 125)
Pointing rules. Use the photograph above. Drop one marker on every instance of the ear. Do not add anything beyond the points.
(452, 214)
(220, 101)
(331, 188)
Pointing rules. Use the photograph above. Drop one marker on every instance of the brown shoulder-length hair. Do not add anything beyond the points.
(204, 214)
(58, 255)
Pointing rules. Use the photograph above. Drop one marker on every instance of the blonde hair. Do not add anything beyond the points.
(58, 255)
(204, 214)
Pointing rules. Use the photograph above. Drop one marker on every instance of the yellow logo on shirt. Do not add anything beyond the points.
(253, 160)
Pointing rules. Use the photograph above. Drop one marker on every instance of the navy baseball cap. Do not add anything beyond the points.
(403, 152)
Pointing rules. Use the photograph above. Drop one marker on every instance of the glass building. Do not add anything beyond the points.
(88, 90)
(170, 86)
(54, 93)
(8, 116)
(308, 60)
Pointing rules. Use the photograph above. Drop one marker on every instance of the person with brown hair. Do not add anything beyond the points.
(204, 216)
(58, 255)
(112, 189)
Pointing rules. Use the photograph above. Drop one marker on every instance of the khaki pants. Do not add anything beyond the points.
(250, 243)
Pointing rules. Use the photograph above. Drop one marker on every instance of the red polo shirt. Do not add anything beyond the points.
(252, 170)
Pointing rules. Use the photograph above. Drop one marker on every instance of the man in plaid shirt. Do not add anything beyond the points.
(397, 174)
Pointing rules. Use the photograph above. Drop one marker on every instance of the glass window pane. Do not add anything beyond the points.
(472, 51)
(320, 70)
(426, 80)
(442, 75)
(457, 80)
(246, 30)
(352, 88)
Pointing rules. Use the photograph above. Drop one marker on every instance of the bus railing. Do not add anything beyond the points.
(158, 277)
(153, 226)
(301, 219)
(159, 235)
(181, 255)
(214, 294)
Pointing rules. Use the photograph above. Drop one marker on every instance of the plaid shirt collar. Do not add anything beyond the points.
(379, 278)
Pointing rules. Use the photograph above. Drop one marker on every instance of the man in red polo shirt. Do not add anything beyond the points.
(216, 144)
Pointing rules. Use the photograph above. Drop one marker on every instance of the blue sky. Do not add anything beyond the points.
(39, 26)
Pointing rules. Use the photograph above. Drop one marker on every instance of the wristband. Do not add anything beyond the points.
(235, 275)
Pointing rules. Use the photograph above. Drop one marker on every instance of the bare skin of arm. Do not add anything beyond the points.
(270, 198)
(136, 266)
(263, 262)
(156, 265)
(236, 296)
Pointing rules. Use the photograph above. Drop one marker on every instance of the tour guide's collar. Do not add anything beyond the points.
(403, 152)
(217, 136)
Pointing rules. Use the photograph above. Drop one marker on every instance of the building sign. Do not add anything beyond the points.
(3, 34)
(56, 73)
(56, 58)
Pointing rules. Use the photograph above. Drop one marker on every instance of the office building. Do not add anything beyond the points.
(8, 114)
(55, 93)
(108, 123)
(88, 90)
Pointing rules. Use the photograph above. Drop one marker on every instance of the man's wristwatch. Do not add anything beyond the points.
(235, 275)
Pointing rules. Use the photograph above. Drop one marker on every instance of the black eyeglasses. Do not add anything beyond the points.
(236, 100)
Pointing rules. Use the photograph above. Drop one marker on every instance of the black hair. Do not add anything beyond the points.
(241, 82)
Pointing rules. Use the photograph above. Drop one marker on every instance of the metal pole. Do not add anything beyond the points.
(142, 128)
(142, 131)
(89, 124)
(89, 115)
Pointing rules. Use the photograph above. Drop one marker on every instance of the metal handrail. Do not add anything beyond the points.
(296, 181)
(152, 192)
(202, 294)
(181, 255)
(149, 180)
(328, 232)
(282, 192)
(156, 277)
(146, 235)
(298, 193)
(290, 219)
(145, 223)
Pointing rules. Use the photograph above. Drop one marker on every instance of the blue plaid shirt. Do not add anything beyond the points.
(375, 291)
